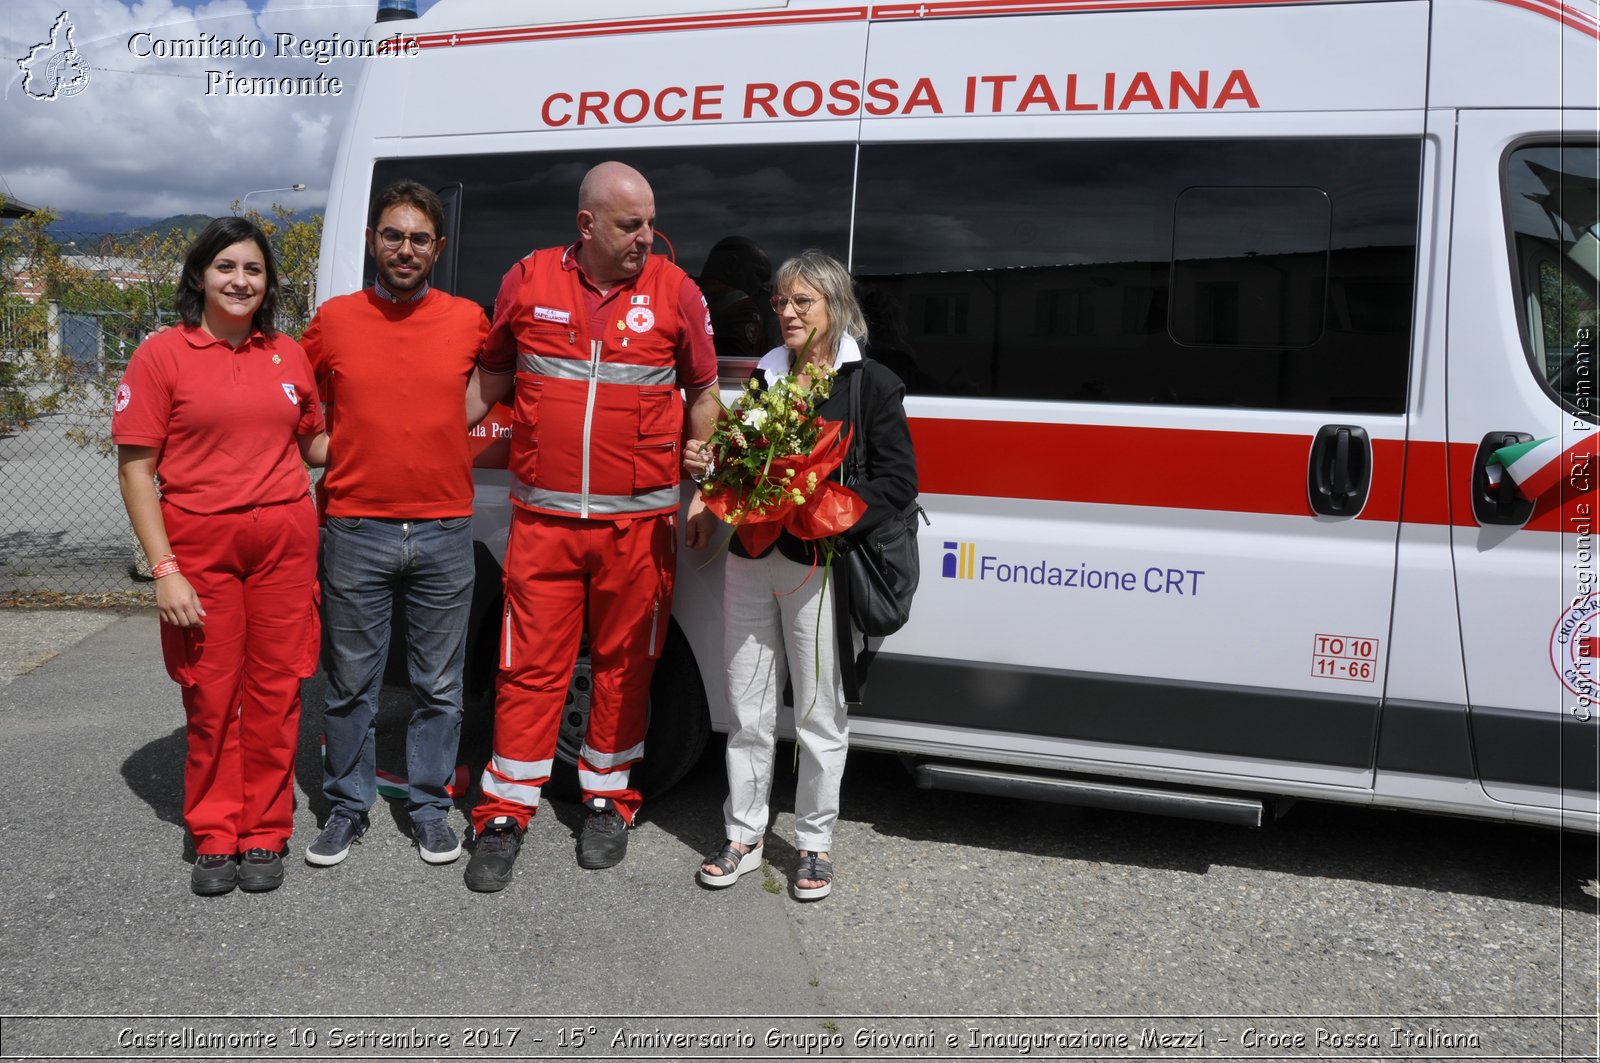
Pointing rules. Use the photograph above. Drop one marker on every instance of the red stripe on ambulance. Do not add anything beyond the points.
(1180, 468)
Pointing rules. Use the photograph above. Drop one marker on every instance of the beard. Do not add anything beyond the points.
(401, 285)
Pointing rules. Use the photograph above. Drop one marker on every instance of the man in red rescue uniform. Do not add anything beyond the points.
(597, 339)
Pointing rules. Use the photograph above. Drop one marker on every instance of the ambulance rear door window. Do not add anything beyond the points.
(727, 215)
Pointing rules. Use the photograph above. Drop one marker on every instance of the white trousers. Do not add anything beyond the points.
(779, 625)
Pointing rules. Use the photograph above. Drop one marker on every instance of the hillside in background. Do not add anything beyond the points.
(93, 233)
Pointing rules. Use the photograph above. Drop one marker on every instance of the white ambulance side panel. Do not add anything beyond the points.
(1524, 612)
(1268, 604)
(1506, 53)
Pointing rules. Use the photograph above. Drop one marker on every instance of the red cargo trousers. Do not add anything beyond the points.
(255, 571)
(620, 572)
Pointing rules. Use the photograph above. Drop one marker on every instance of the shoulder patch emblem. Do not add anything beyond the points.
(294, 396)
(124, 396)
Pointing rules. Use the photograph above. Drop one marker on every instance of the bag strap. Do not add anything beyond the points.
(852, 458)
(844, 633)
(844, 645)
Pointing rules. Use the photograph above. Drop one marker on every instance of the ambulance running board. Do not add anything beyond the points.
(1093, 793)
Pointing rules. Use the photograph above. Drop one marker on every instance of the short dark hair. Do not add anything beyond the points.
(215, 238)
(411, 193)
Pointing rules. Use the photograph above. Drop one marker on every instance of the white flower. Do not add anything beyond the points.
(755, 417)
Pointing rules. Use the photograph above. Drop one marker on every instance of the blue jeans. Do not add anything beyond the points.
(367, 562)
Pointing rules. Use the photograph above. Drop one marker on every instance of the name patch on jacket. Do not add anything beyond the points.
(559, 317)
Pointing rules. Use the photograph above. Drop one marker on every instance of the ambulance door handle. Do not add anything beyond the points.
(1340, 470)
(1502, 504)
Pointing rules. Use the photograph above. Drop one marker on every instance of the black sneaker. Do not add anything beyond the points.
(494, 854)
(604, 841)
(333, 844)
(436, 842)
(260, 870)
(214, 874)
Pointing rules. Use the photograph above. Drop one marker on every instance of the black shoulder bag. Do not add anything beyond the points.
(879, 573)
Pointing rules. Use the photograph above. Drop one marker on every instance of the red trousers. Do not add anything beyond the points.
(557, 568)
(256, 574)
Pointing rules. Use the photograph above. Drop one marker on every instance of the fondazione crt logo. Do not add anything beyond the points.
(54, 69)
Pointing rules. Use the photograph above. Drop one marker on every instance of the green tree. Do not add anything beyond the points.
(128, 283)
(297, 246)
(36, 376)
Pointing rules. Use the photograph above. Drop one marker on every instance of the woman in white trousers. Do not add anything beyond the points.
(779, 620)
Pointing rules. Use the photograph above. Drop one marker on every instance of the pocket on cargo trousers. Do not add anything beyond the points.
(180, 650)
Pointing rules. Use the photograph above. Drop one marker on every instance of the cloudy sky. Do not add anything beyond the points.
(141, 135)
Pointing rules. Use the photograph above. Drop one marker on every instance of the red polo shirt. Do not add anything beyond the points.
(223, 421)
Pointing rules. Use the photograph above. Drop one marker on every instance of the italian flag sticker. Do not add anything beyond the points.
(1534, 467)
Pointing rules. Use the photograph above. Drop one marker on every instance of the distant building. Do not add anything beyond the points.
(123, 272)
(16, 208)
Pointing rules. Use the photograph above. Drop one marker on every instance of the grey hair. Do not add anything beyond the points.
(832, 281)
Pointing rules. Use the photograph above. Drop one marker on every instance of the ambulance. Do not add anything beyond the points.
(1216, 321)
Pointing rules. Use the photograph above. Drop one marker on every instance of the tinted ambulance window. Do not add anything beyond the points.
(727, 215)
(1046, 270)
(1553, 201)
(1250, 267)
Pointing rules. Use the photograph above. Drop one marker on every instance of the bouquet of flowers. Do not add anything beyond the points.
(770, 459)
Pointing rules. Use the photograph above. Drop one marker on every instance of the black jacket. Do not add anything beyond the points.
(890, 481)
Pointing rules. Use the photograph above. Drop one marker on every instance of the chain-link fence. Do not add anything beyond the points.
(62, 525)
(72, 311)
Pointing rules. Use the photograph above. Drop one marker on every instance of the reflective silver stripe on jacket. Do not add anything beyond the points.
(604, 372)
(595, 347)
(573, 502)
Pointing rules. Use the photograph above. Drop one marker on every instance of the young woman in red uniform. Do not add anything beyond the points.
(223, 410)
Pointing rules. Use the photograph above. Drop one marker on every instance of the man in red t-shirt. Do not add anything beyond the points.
(392, 363)
(597, 339)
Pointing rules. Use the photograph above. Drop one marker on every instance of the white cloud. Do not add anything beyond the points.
(144, 136)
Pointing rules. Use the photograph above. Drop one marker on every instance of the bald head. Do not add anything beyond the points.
(616, 224)
(605, 182)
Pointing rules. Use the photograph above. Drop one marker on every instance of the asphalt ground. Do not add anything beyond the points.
(960, 927)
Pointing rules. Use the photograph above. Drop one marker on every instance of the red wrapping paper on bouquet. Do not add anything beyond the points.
(828, 509)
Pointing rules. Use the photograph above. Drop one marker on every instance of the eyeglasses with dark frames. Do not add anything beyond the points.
(393, 238)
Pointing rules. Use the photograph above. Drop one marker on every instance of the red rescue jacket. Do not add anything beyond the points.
(597, 420)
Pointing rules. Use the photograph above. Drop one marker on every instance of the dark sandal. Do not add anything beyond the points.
(732, 863)
(813, 868)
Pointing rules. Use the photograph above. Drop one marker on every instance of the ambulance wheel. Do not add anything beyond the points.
(680, 723)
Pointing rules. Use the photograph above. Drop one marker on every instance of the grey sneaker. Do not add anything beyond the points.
(333, 844)
(604, 841)
(494, 855)
(436, 842)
